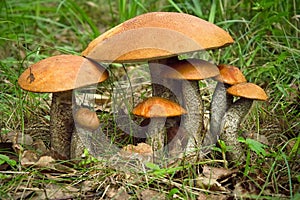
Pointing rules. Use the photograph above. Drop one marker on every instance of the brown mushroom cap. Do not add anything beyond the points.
(248, 90)
(230, 74)
(158, 107)
(86, 118)
(156, 35)
(191, 69)
(61, 73)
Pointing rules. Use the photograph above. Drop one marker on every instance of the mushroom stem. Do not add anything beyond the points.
(230, 126)
(220, 102)
(61, 123)
(193, 120)
(95, 141)
(162, 87)
(156, 135)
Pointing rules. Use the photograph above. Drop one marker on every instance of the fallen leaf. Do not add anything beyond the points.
(217, 173)
(151, 195)
(118, 194)
(212, 197)
(209, 183)
(29, 158)
(53, 191)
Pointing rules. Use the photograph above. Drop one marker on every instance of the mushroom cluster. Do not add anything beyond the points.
(176, 107)
(159, 38)
(60, 75)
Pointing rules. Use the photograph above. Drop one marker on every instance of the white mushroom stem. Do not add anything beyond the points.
(230, 127)
(61, 123)
(220, 102)
(193, 120)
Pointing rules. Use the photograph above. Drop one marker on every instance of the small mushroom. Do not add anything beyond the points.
(190, 72)
(248, 92)
(59, 75)
(157, 109)
(221, 100)
(86, 118)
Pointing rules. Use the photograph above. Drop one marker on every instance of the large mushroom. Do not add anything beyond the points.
(221, 100)
(157, 38)
(248, 92)
(190, 71)
(60, 75)
(157, 109)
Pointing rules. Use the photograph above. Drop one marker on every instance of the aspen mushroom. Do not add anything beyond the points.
(157, 38)
(86, 118)
(221, 100)
(157, 109)
(248, 92)
(59, 75)
(190, 71)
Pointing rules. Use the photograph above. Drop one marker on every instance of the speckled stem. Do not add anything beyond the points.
(156, 134)
(95, 141)
(61, 123)
(193, 120)
(230, 126)
(163, 87)
(220, 102)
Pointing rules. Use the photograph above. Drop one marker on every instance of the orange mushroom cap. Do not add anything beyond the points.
(191, 69)
(248, 90)
(156, 35)
(230, 74)
(61, 73)
(158, 107)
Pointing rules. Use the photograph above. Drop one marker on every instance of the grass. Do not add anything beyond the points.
(266, 48)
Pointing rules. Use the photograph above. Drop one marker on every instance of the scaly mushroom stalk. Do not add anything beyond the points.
(220, 102)
(189, 72)
(61, 123)
(164, 88)
(156, 134)
(194, 117)
(230, 127)
(158, 110)
(236, 113)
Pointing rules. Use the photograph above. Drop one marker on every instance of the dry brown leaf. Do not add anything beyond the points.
(212, 197)
(18, 138)
(29, 158)
(217, 173)
(151, 195)
(142, 151)
(52, 191)
(40, 146)
(118, 194)
(209, 183)
(45, 161)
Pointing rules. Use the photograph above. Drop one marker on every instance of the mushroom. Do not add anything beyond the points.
(190, 71)
(221, 100)
(157, 109)
(59, 75)
(157, 37)
(86, 118)
(248, 92)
